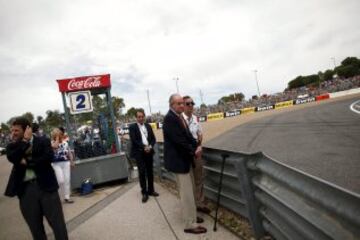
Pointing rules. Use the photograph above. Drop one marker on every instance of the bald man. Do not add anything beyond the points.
(180, 150)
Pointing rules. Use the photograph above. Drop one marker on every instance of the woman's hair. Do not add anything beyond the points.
(54, 133)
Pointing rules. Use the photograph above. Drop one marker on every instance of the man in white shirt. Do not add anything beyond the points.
(196, 131)
(142, 149)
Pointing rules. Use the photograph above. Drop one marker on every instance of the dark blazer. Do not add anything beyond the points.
(42, 155)
(179, 144)
(137, 146)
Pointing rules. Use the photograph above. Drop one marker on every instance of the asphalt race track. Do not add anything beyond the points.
(323, 140)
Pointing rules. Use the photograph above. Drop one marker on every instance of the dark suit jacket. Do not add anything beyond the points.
(42, 155)
(179, 144)
(137, 146)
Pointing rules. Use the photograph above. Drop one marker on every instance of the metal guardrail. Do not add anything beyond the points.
(277, 199)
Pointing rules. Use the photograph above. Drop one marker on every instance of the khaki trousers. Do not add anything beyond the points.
(199, 178)
(187, 200)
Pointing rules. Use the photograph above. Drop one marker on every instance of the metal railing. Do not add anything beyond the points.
(277, 199)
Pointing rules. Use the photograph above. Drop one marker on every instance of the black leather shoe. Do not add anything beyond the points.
(203, 210)
(154, 194)
(197, 230)
(145, 197)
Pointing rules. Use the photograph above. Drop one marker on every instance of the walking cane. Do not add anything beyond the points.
(224, 156)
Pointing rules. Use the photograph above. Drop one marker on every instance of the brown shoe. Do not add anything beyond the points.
(199, 220)
(204, 210)
(197, 230)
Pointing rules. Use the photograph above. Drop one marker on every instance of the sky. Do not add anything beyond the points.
(210, 46)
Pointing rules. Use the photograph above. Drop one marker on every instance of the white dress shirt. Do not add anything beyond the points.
(144, 134)
(193, 124)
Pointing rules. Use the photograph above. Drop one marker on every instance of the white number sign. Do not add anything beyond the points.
(80, 102)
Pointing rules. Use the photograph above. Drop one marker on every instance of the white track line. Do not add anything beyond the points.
(352, 107)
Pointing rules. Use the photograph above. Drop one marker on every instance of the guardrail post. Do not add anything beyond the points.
(247, 190)
(157, 160)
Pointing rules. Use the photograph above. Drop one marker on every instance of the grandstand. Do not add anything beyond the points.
(330, 86)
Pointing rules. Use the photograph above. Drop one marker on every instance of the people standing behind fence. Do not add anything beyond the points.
(33, 180)
(198, 170)
(142, 149)
(180, 149)
(62, 162)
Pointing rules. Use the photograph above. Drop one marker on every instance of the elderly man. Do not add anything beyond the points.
(196, 131)
(180, 149)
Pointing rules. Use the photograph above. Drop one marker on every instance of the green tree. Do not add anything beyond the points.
(349, 67)
(131, 112)
(29, 116)
(353, 61)
(297, 82)
(301, 81)
(203, 109)
(117, 104)
(54, 119)
(328, 74)
(99, 103)
(235, 97)
(5, 127)
(41, 121)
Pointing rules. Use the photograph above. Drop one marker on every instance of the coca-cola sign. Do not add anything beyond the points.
(84, 83)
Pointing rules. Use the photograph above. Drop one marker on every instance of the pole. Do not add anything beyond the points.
(148, 96)
(201, 97)
(224, 156)
(112, 115)
(67, 121)
(257, 83)
(176, 82)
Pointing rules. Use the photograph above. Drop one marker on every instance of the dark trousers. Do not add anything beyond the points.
(146, 177)
(35, 204)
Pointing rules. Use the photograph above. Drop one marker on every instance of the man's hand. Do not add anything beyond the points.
(198, 152)
(27, 133)
(147, 149)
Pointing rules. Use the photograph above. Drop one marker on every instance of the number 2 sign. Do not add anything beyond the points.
(80, 102)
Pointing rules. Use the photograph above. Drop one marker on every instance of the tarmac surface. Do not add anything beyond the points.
(322, 140)
(110, 213)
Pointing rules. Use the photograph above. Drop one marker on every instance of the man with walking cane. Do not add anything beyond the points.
(180, 149)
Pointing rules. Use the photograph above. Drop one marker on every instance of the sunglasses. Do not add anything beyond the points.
(190, 103)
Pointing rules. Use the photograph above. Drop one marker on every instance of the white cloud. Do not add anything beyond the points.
(212, 46)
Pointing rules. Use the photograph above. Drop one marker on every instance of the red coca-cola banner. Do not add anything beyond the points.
(84, 83)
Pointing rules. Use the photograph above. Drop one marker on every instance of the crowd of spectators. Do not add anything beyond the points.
(330, 86)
